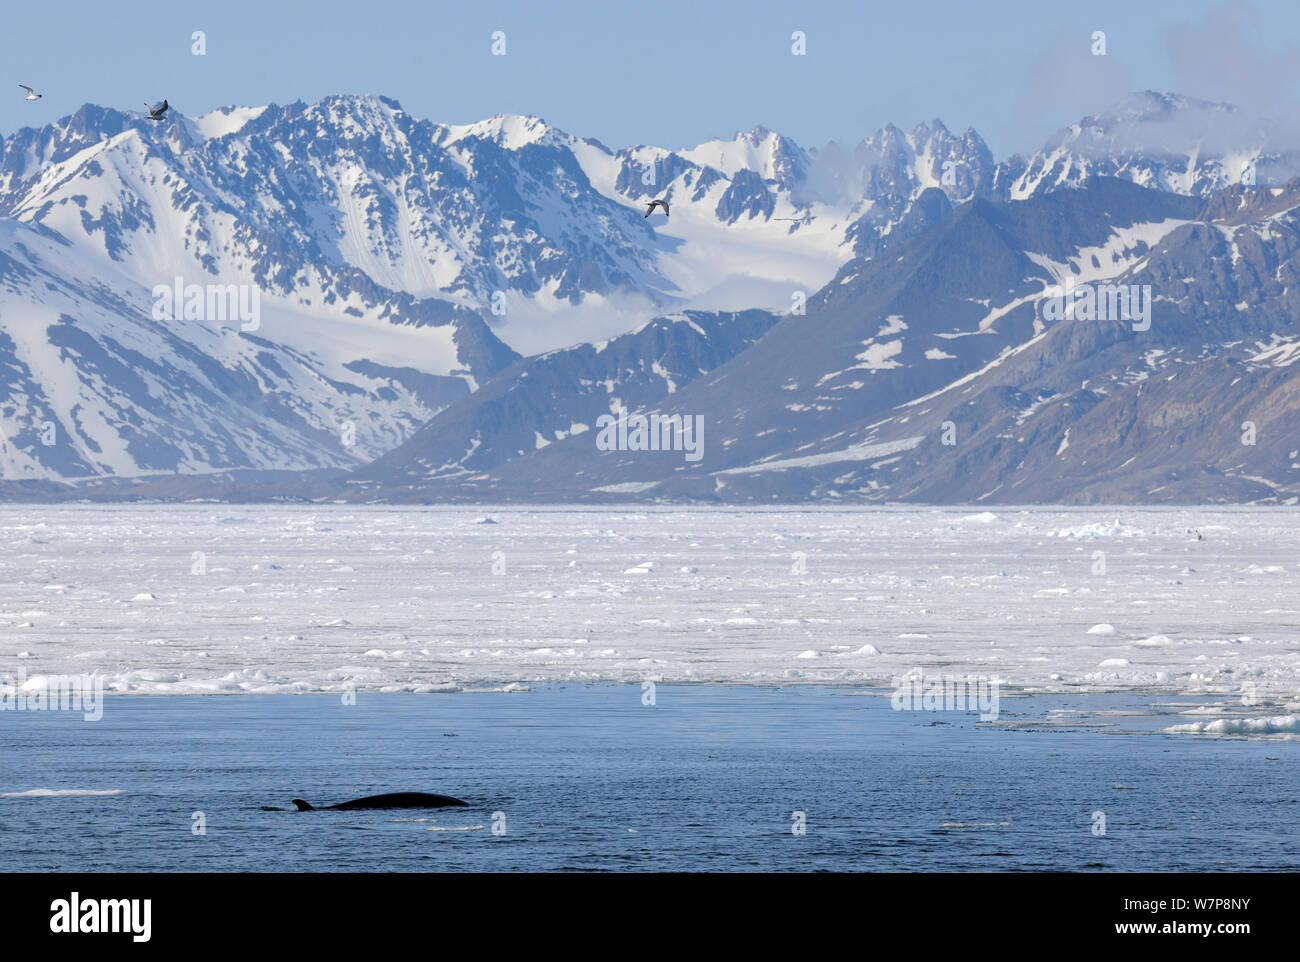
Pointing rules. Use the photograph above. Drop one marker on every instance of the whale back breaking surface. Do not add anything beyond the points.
(394, 800)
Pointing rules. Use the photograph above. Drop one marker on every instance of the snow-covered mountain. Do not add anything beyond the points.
(1163, 141)
(312, 363)
(954, 370)
(396, 263)
(561, 395)
(397, 267)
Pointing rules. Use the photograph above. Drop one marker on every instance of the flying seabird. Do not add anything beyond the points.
(657, 203)
(31, 94)
(156, 113)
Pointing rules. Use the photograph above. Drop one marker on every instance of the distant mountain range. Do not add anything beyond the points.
(377, 307)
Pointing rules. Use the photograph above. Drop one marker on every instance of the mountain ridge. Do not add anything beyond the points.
(398, 259)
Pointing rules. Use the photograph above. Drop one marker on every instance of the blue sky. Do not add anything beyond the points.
(665, 72)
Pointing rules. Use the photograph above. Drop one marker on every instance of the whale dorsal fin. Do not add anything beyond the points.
(302, 806)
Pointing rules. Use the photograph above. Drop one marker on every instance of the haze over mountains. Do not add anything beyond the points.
(446, 312)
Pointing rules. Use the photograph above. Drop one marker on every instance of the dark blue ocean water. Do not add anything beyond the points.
(589, 778)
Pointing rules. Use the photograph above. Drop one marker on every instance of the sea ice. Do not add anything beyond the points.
(386, 598)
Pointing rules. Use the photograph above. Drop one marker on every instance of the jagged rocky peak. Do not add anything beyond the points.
(402, 264)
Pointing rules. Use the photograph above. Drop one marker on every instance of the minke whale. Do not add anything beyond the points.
(395, 800)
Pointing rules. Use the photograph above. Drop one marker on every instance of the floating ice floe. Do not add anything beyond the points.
(1155, 641)
(1271, 725)
(1099, 529)
(1265, 570)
